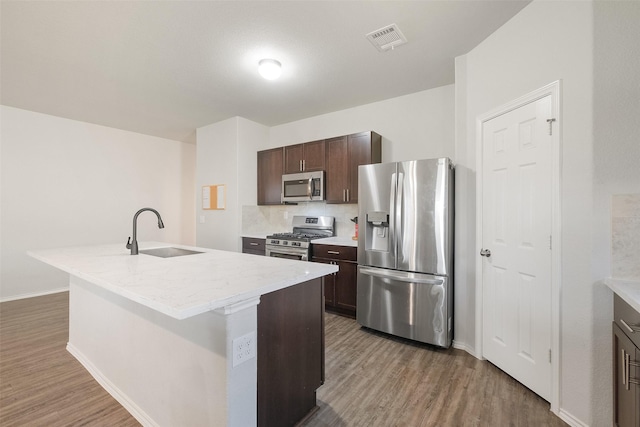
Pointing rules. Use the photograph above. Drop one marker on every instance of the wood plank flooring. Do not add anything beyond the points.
(371, 379)
(41, 384)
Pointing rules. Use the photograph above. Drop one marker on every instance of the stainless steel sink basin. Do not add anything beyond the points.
(168, 252)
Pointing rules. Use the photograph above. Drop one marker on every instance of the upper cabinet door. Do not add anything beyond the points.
(293, 155)
(337, 176)
(344, 155)
(364, 149)
(313, 159)
(270, 168)
(307, 157)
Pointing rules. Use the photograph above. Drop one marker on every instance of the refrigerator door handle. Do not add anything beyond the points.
(392, 222)
(400, 277)
(398, 215)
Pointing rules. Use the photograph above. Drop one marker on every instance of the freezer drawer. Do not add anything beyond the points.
(410, 305)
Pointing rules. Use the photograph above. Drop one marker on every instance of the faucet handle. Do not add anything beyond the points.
(129, 242)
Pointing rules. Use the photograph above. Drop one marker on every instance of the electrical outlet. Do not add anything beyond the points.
(244, 348)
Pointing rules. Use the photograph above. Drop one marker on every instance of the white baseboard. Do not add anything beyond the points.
(34, 294)
(112, 389)
(570, 419)
(465, 347)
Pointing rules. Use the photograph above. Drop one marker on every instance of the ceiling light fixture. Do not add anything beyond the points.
(270, 69)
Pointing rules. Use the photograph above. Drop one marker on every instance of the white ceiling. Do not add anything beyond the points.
(165, 68)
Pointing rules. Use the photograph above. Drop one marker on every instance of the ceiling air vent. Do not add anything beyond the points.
(387, 38)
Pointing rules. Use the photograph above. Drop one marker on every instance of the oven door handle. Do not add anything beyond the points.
(304, 256)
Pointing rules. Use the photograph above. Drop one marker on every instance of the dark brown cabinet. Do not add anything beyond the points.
(626, 365)
(270, 169)
(307, 157)
(251, 245)
(290, 353)
(343, 156)
(340, 289)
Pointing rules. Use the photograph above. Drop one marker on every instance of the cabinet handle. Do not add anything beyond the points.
(253, 244)
(632, 328)
(626, 363)
(348, 196)
(333, 252)
(304, 165)
(300, 165)
(344, 195)
(624, 368)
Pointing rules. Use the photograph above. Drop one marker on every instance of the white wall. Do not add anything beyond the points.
(415, 126)
(550, 41)
(226, 154)
(69, 183)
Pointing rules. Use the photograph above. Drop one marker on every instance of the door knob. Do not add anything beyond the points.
(485, 252)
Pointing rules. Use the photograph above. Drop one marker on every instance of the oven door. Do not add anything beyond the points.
(288, 253)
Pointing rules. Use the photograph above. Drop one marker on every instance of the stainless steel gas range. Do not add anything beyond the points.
(297, 244)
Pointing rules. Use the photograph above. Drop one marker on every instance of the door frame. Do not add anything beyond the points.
(553, 89)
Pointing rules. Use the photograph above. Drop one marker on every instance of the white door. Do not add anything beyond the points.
(516, 242)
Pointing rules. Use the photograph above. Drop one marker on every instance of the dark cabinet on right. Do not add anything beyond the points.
(339, 288)
(343, 156)
(626, 365)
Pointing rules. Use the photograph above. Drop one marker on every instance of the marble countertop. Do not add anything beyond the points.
(628, 290)
(338, 241)
(182, 286)
(256, 234)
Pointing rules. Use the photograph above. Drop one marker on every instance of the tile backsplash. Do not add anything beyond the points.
(270, 219)
(625, 236)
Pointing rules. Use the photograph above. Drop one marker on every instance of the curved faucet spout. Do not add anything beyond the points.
(133, 244)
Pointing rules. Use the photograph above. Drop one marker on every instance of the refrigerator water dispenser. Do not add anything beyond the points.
(378, 231)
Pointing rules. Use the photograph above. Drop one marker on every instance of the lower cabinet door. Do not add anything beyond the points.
(346, 286)
(626, 411)
(329, 283)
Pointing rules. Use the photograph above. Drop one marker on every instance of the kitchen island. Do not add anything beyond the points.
(159, 333)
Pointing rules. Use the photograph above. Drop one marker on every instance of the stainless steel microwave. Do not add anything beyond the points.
(303, 187)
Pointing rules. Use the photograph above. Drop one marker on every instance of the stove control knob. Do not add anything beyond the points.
(285, 243)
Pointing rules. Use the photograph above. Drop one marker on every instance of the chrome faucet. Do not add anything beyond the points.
(134, 245)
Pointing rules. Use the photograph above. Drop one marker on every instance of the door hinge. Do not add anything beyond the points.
(550, 121)
(549, 355)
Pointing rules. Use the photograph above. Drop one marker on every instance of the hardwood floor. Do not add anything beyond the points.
(371, 379)
(41, 384)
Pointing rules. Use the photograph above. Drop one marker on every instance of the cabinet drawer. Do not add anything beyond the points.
(343, 253)
(627, 318)
(253, 245)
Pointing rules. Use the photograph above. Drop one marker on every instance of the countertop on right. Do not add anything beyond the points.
(628, 290)
(338, 241)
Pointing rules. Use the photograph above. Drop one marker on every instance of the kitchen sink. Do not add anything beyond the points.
(168, 252)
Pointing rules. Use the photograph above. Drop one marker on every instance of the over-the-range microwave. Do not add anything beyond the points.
(303, 187)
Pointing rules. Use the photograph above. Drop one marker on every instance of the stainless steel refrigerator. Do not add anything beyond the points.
(405, 249)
